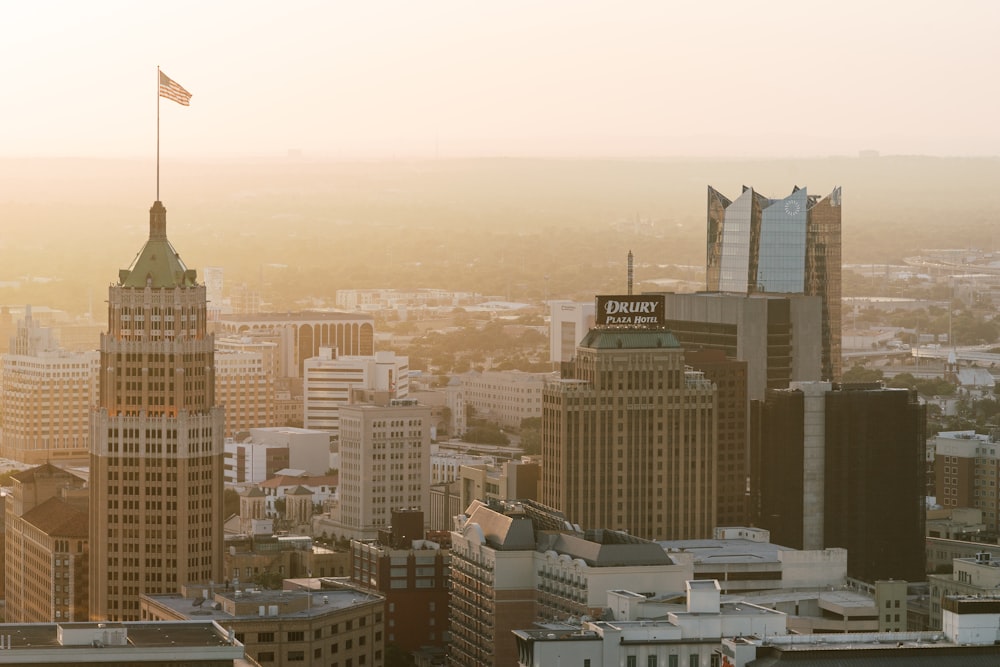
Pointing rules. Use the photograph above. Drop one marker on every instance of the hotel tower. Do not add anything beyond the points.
(156, 441)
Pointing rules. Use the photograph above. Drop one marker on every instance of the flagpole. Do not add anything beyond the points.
(157, 133)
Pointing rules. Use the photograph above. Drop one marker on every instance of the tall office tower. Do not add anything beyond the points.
(46, 554)
(385, 453)
(733, 458)
(156, 458)
(48, 393)
(777, 335)
(629, 441)
(843, 466)
(329, 380)
(569, 321)
(790, 245)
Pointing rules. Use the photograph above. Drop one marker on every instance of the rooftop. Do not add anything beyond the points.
(246, 604)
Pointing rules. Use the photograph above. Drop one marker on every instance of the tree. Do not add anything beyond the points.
(858, 373)
(230, 503)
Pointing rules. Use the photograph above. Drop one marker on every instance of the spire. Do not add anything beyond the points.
(157, 221)
(157, 265)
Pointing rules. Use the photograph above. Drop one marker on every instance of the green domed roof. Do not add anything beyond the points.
(157, 265)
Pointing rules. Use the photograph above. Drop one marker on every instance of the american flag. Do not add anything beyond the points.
(173, 91)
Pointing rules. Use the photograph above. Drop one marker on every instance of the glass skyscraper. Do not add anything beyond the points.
(784, 246)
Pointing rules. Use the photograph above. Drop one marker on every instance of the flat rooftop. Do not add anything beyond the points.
(287, 604)
(140, 634)
(736, 550)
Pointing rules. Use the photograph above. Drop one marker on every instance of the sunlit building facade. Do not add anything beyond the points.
(156, 453)
(630, 440)
(48, 393)
(47, 547)
(790, 245)
(300, 336)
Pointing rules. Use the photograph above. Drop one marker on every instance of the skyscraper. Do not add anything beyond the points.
(629, 438)
(843, 466)
(790, 245)
(156, 442)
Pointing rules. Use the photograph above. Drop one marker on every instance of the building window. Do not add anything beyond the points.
(296, 656)
(263, 637)
(630, 661)
(265, 656)
(296, 636)
(651, 661)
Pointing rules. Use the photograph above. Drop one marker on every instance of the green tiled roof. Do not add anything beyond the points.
(157, 265)
(628, 339)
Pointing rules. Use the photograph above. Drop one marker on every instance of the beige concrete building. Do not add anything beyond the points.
(284, 628)
(190, 643)
(156, 447)
(330, 379)
(245, 388)
(978, 575)
(300, 336)
(46, 547)
(504, 397)
(513, 563)
(48, 393)
(629, 438)
(384, 465)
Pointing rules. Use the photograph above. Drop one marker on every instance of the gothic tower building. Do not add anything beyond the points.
(156, 441)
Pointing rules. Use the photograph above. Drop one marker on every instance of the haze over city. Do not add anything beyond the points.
(495, 333)
(451, 78)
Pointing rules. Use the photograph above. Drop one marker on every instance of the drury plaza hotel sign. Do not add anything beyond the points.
(645, 310)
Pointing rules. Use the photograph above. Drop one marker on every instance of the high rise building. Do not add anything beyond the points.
(156, 445)
(385, 453)
(778, 335)
(629, 439)
(48, 393)
(329, 380)
(843, 466)
(733, 458)
(569, 321)
(790, 246)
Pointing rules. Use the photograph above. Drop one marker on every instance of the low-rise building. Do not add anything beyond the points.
(284, 628)
(413, 575)
(744, 559)
(688, 634)
(197, 643)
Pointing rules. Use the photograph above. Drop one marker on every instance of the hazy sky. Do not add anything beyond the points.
(504, 77)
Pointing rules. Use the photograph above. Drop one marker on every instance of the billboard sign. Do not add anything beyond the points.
(631, 310)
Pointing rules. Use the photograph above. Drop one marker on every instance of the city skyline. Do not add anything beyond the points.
(393, 79)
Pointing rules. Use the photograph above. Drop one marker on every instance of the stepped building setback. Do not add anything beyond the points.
(156, 440)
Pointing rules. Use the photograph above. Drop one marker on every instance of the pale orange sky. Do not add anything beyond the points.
(506, 77)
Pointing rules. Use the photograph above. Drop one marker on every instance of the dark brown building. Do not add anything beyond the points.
(843, 466)
(733, 458)
(413, 575)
